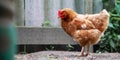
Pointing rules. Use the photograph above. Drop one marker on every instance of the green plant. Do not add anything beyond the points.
(46, 24)
(69, 47)
(50, 48)
(110, 42)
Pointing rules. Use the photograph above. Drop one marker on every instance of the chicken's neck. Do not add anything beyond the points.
(69, 29)
(65, 23)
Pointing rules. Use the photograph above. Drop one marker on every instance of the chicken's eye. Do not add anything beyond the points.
(64, 14)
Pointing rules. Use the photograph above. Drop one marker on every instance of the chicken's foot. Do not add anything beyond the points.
(81, 53)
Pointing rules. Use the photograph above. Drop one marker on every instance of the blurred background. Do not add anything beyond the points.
(38, 12)
(43, 14)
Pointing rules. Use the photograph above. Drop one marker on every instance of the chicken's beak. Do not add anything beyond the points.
(59, 11)
(58, 17)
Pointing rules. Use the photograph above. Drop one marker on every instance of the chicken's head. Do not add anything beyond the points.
(62, 14)
(66, 14)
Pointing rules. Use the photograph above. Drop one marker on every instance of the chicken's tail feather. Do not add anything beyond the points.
(105, 11)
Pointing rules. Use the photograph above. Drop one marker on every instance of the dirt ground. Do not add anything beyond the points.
(65, 55)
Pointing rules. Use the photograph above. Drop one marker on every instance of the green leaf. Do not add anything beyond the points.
(46, 24)
(112, 44)
(116, 18)
(111, 25)
(114, 15)
(104, 1)
(107, 33)
(118, 37)
(70, 46)
(110, 41)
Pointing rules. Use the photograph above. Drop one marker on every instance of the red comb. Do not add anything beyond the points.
(59, 12)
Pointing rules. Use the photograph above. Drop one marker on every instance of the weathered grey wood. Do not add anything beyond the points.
(68, 4)
(28, 35)
(97, 6)
(34, 12)
(89, 10)
(37, 11)
(89, 6)
(51, 8)
(19, 12)
(35, 35)
(80, 6)
(56, 6)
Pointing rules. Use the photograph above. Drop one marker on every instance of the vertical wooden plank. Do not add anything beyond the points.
(89, 10)
(56, 7)
(68, 4)
(51, 7)
(109, 7)
(97, 6)
(80, 6)
(19, 12)
(28, 12)
(89, 6)
(34, 12)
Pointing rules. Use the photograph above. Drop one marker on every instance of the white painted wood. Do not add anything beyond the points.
(68, 4)
(34, 12)
(51, 8)
(37, 11)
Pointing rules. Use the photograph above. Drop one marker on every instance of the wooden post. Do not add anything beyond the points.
(19, 12)
(34, 12)
(97, 6)
(50, 8)
(89, 10)
(80, 6)
(68, 4)
(89, 6)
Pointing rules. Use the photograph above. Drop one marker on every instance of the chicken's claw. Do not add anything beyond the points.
(80, 55)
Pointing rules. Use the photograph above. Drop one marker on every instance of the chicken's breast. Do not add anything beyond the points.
(84, 37)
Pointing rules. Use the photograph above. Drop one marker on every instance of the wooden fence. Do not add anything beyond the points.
(35, 12)
(36, 36)
(44, 36)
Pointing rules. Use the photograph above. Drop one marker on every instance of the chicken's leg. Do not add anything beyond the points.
(90, 57)
(88, 50)
(82, 51)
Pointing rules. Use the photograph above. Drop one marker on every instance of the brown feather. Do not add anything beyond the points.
(85, 29)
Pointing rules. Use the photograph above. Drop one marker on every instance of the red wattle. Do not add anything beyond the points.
(59, 12)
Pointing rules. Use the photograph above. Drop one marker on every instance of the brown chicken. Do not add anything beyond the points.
(85, 29)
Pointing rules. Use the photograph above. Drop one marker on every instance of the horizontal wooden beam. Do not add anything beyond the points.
(34, 35)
